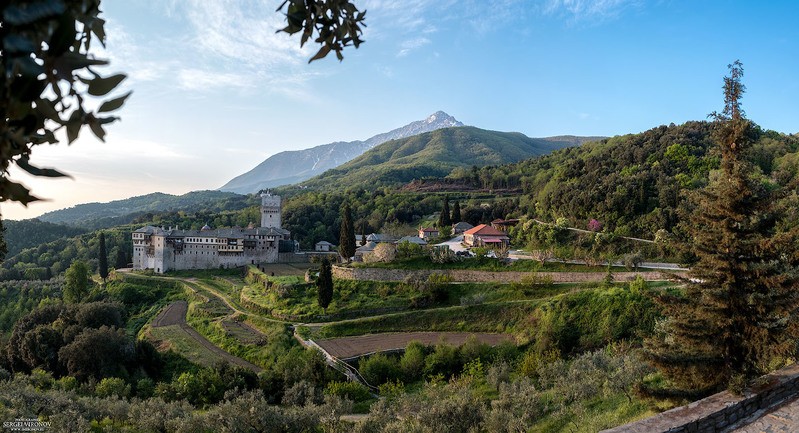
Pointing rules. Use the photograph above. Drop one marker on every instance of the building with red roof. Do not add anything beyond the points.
(485, 236)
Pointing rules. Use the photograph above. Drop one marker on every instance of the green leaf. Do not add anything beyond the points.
(101, 86)
(47, 108)
(28, 12)
(97, 129)
(24, 163)
(321, 53)
(73, 126)
(15, 192)
(71, 61)
(98, 27)
(113, 104)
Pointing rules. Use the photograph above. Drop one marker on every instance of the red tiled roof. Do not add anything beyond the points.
(484, 230)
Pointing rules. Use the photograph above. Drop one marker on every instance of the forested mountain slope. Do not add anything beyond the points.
(101, 215)
(434, 154)
(32, 232)
(631, 183)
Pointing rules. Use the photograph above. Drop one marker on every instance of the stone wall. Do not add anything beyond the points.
(722, 411)
(461, 275)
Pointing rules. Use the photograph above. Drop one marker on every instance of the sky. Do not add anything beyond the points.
(216, 90)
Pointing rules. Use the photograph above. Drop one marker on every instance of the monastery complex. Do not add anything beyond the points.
(163, 249)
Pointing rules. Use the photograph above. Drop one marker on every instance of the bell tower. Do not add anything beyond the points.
(270, 210)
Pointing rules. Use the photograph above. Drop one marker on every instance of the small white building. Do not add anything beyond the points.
(324, 247)
(428, 233)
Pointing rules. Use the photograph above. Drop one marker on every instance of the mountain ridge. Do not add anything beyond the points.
(281, 168)
(436, 154)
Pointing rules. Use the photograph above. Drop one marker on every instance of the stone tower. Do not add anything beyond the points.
(270, 210)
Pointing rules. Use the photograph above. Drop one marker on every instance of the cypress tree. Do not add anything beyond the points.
(443, 218)
(102, 258)
(324, 285)
(121, 260)
(456, 212)
(739, 309)
(346, 246)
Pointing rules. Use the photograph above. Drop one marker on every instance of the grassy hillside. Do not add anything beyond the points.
(433, 154)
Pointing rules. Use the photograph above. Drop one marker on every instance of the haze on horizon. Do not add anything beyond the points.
(216, 90)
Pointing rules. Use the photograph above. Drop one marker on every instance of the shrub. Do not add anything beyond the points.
(112, 386)
(444, 360)
(473, 349)
(379, 368)
(529, 284)
(302, 393)
(533, 360)
(392, 390)
(412, 362)
(145, 388)
(350, 390)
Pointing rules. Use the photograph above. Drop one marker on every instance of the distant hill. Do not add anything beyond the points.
(435, 154)
(100, 215)
(631, 183)
(295, 166)
(32, 232)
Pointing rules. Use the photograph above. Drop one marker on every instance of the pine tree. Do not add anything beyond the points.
(346, 246)
(324, 285)
(102, 258)
(456, 212)
(739, 310)
(443, 218)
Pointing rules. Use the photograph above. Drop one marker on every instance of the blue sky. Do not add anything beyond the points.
(216, 90)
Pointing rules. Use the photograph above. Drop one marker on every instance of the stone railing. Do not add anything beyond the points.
(723, 411)
(463, 275)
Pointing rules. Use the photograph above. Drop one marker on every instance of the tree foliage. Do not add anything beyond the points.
(346, 245)
(444, 219)
(82, 340)
(47, 77)
(456, 213)
(102, 258)
(324, 284)
(76, 283)
(739, 312)
(335, 24)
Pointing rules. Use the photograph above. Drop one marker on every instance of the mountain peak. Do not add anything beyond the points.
(443, 119)
(282, 168)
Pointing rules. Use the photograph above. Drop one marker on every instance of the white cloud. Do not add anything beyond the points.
(199, 79)
(412, 44)
(588, 10)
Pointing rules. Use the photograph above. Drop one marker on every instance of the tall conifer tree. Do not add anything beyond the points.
(102, 258)
(739, 311)
(456, 212)
(324, 285)
(443, 219)
(346, 246)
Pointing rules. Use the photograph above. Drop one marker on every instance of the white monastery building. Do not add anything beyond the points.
(162, 249)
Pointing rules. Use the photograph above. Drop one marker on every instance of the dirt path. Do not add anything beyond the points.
(350, 347)
(175, 314)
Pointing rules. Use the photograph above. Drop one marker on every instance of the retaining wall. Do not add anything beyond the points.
(467, 276)
(723, 411)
